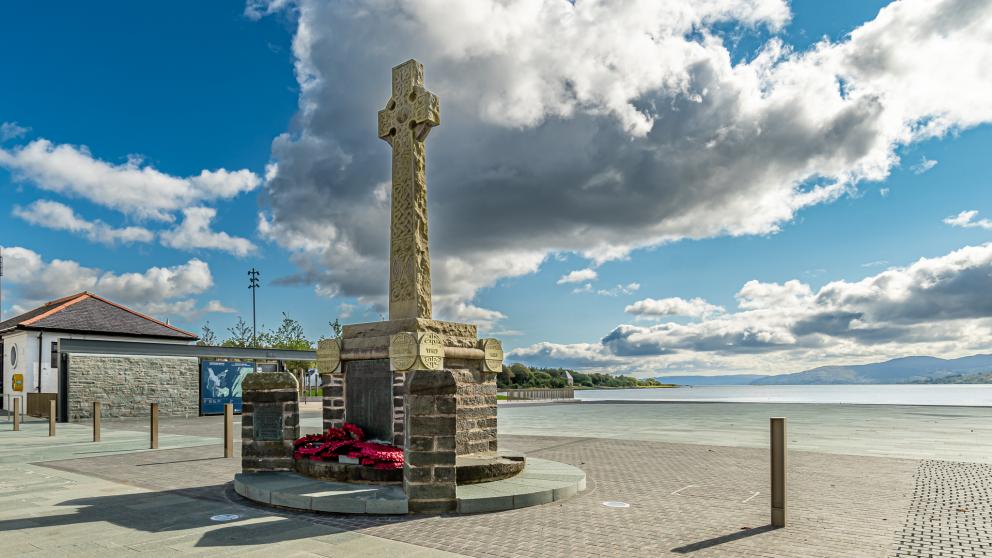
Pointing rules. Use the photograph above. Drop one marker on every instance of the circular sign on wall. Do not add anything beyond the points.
(328, 355)
(431, 351)
(13, 356)
(403, 351)
(493, 350)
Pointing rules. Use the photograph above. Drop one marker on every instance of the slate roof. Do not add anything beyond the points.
(88, 313)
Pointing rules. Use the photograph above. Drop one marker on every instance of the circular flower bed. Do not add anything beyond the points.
(348, 441)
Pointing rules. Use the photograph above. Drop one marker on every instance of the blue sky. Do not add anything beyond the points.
(209, 86)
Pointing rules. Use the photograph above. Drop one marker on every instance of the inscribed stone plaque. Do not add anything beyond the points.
(268, 423)
(369, 397)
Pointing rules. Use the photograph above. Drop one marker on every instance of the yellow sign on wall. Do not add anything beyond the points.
(18, 381)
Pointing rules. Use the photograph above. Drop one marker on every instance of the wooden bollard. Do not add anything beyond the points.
(778, 468)
(153, 427)
(96, 421)
(51, 417)
(17, 413)
(228, 430)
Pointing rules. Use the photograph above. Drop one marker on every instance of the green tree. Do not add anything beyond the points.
(521, 374)
(505, 378)
(207, 336)
(290, 335)
(240, 335)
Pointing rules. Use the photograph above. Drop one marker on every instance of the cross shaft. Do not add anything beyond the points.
(409, 115)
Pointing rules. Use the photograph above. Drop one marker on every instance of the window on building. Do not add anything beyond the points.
(55, 354)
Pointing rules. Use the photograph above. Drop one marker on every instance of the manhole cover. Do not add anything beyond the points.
(224, 517)
(614, 504)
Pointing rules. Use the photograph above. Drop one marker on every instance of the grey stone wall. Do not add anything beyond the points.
(125, 385)
(476, 412)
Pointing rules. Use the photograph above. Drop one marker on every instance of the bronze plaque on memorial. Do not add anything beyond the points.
(267, 423)
(369, 396)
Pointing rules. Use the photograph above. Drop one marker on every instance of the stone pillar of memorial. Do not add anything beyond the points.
(270, 421)
(429, 478)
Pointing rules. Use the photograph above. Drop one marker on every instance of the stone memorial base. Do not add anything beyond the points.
(541, 482)
(469, 469)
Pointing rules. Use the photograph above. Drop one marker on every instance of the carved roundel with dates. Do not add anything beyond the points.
(402, 351)
(431, 351)
(493, 350)
(328, 355)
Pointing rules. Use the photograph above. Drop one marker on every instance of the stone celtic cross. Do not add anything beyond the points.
(405, 122)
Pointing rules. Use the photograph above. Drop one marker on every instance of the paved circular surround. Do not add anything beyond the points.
(541, 482)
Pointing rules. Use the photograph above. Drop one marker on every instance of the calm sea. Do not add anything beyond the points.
(897, 394)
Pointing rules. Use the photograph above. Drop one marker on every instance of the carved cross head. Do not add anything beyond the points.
(411, 108)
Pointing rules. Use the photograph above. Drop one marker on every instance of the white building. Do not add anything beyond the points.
(29, 343)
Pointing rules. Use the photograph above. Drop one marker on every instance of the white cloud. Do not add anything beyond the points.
(875, 263)
(923, 166)
(629, 288)
(152, 290)
(676, 139)
(345, 310)
(257, 9)
(216, 306)
(58, 216)
(578, 355)
(674, 306)
(11, 130)
(937, 306)
(132, 187)
(194, 232)
(966, 219)
(578, 276)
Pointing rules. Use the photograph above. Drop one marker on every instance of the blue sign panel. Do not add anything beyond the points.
(220, 383)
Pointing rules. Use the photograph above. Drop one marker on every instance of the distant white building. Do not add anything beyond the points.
(29, 342)
(569, 379)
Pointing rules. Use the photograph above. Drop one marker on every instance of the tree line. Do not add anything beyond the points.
(289, 335)
(519, 375)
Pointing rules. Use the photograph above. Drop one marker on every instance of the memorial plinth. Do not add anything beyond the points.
(270, 421)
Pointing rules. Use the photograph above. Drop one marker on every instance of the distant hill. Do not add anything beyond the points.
(917, 369)
(729, 380)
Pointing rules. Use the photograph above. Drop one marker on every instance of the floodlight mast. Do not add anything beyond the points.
(253, 284)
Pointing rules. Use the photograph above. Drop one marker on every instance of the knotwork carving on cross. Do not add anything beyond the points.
(409, 115)
(411, 108)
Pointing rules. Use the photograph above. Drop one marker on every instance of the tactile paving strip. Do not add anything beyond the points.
(950, 513)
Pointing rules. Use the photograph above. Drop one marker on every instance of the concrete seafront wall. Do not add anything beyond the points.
(476, 412)
(125, 385)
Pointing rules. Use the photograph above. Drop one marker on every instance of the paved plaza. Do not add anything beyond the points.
(115, 498)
